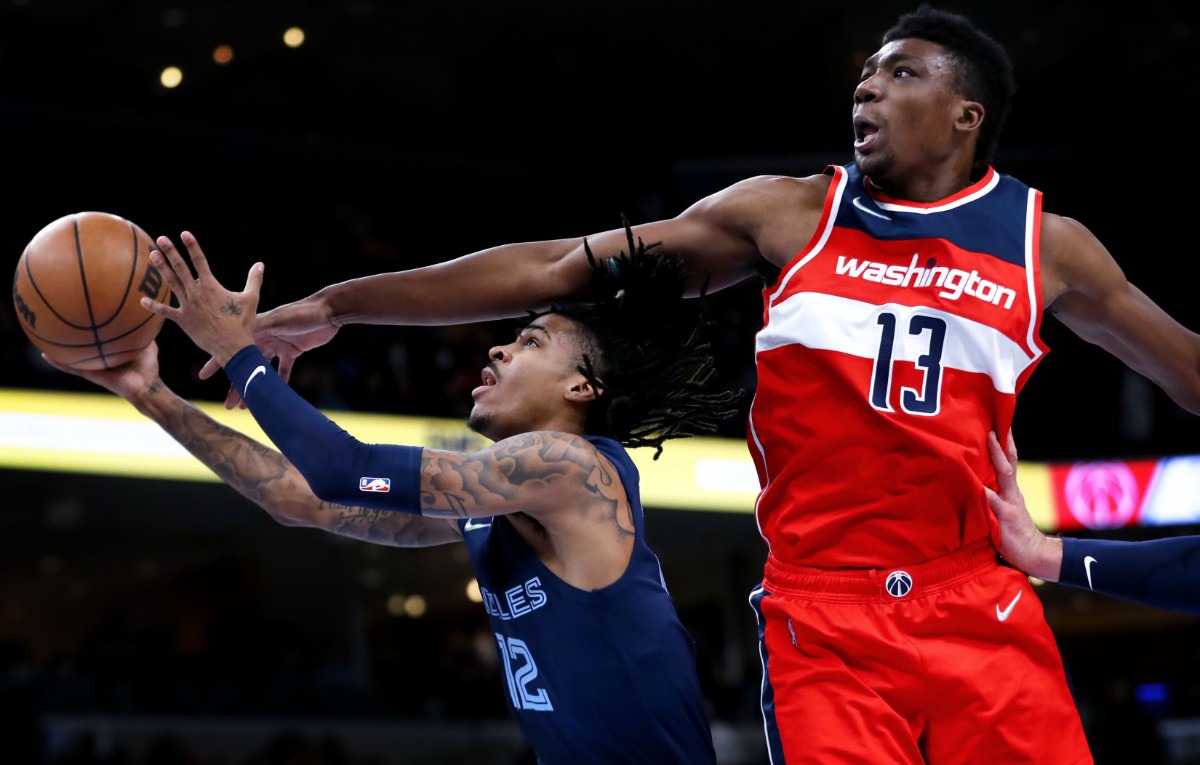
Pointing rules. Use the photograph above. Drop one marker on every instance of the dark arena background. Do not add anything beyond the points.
(149, 620)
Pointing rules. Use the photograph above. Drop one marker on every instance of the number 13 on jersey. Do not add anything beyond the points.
(931, 332)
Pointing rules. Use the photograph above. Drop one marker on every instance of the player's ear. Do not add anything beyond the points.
(581, 390)
(970, 116)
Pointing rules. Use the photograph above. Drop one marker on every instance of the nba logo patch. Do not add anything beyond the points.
(374, 484)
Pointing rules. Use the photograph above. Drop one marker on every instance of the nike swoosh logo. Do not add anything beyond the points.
(857, 202)
(1003, 615)
(472, 525)
(258, 370)
(1087, 567)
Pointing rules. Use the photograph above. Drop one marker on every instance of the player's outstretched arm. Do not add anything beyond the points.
(719, 237)
(260, 474)
(533, 473)
(1164, 573)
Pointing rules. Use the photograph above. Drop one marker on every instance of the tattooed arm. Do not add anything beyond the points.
(560, 492)
(258, 473)
(538, 473)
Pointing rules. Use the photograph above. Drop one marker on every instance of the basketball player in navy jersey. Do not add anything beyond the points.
(598, 668)
(902, 319)
(1164, 573)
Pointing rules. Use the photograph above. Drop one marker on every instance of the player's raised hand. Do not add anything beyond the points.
(217, 320)
(128, 380)
(283, 334)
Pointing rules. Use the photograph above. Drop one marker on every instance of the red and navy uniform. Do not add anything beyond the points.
(891, 344)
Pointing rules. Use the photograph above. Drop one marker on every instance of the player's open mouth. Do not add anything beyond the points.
(489, 377)
(864, 133)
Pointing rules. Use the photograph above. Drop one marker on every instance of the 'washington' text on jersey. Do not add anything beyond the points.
(515, 601)
(954, 282)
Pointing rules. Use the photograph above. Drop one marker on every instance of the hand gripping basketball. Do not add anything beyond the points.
(217, 320)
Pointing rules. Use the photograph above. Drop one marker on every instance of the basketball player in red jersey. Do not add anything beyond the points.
(903, 322)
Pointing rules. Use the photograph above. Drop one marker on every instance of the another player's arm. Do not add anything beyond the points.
(1085, 288)
(725, 238)
(715, 236)
(1164, 573)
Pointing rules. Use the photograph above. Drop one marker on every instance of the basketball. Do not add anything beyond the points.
(77, 290)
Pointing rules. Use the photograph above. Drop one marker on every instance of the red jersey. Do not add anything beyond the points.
(891, 344)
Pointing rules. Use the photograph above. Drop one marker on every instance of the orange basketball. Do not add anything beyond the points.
(77, 288)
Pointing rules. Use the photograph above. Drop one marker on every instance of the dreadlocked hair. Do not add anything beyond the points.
(644, 350)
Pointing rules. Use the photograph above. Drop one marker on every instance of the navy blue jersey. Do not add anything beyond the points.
(605, 676)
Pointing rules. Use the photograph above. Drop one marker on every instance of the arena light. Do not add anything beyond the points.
(97, 433)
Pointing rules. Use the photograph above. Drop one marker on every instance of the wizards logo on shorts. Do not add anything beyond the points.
(374, 484)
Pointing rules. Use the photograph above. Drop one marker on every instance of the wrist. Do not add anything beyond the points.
(151, 398)
(325, 302)
(227, 349)
(1050, 558)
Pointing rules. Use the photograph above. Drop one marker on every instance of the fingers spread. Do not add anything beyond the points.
(170, 264)
(173, 256)
(199, 260)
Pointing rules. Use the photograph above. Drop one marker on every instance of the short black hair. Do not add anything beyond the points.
(645, 350)
(985, 70)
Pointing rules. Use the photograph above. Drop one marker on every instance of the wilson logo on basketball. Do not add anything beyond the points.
(23, 308)
(152, 282)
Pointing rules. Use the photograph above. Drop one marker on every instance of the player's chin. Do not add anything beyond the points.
(478, 420)
(872, 163)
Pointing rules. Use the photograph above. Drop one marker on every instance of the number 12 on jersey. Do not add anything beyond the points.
(520, 671)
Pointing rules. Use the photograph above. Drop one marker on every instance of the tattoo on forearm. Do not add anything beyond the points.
(244, 464)
(380, 527)
(265, 477)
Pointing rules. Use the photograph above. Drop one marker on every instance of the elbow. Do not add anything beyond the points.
(331, 491)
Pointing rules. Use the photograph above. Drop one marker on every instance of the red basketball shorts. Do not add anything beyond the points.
(949, 662)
